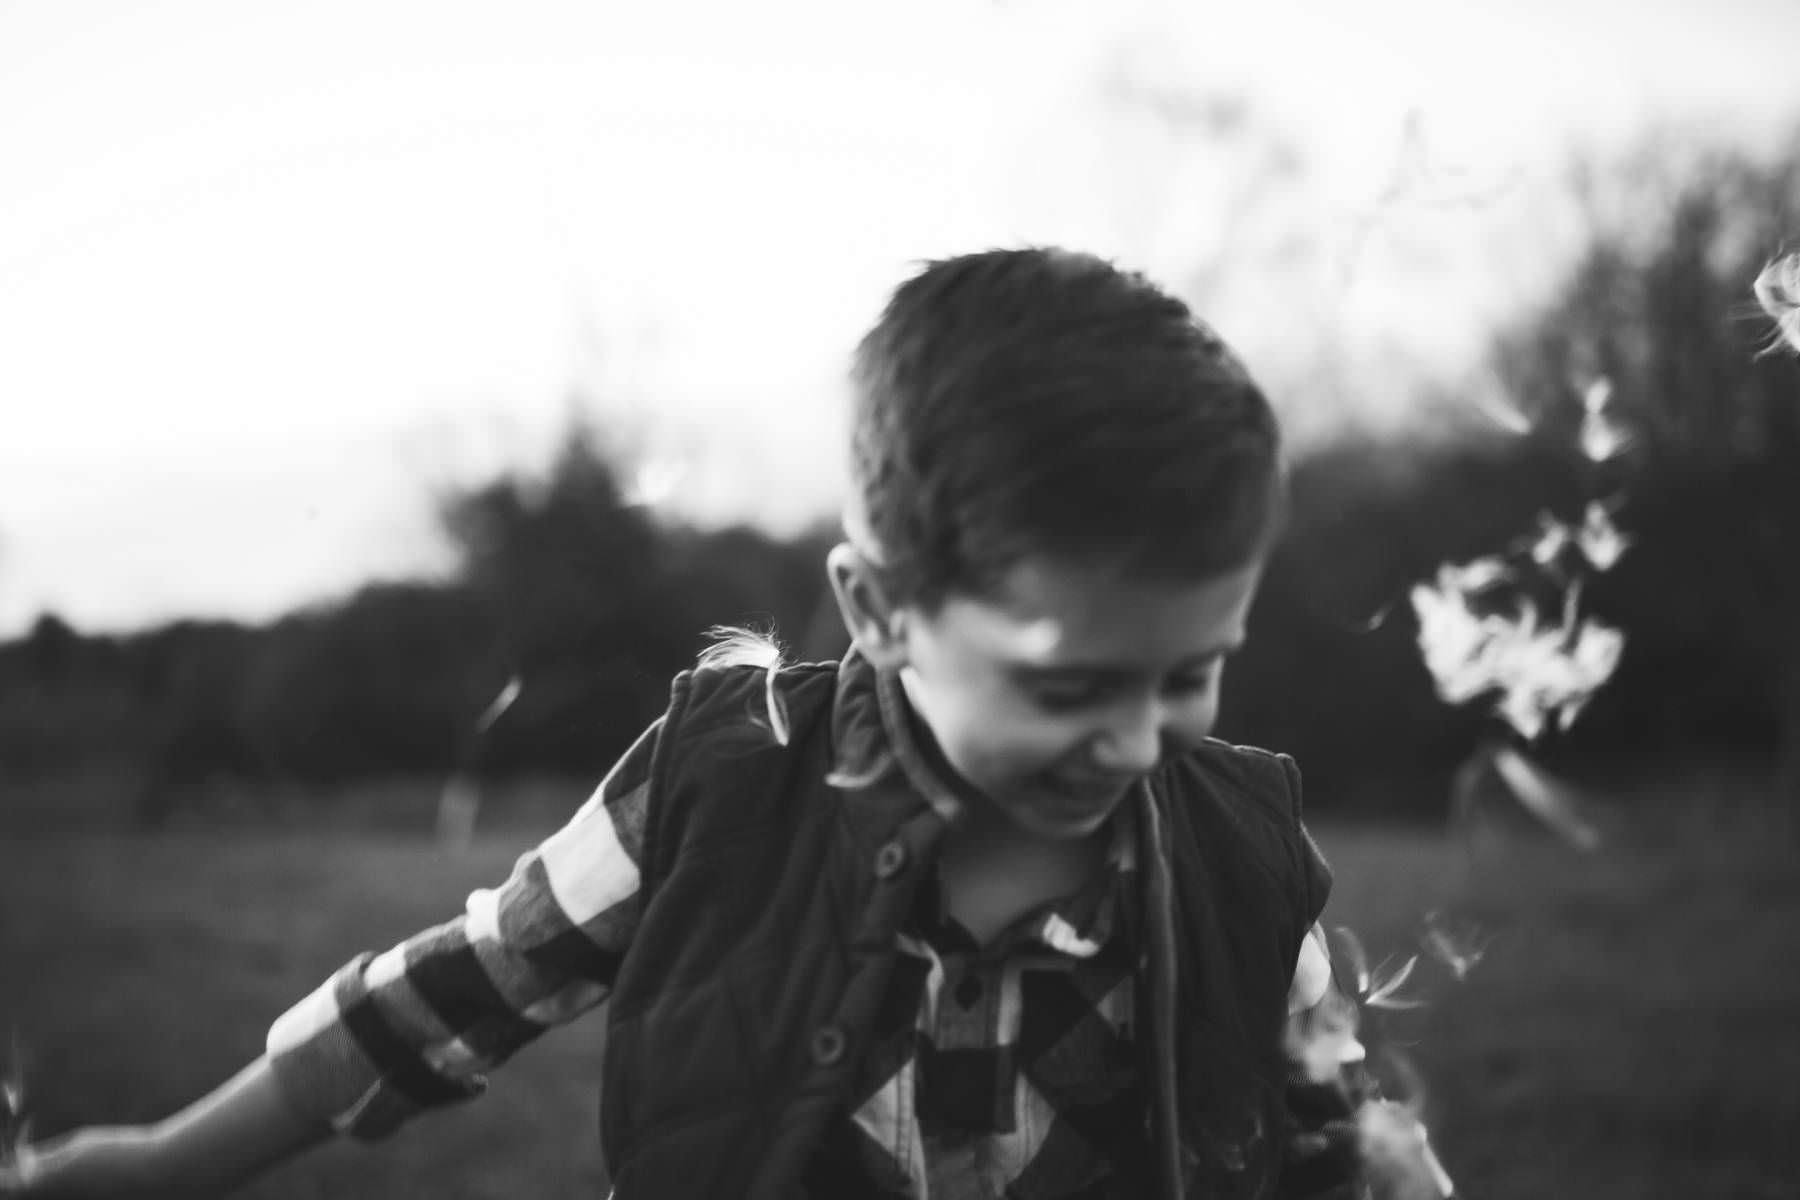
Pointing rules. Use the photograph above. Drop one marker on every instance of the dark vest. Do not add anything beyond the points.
(771, 900)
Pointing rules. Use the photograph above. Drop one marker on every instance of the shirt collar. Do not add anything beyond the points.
(874, 736)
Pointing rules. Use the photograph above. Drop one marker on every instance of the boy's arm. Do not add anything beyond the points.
(419, 1026)
(242, 1128)
(391, 1035)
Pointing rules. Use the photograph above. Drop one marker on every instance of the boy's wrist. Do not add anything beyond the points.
(95, 1162)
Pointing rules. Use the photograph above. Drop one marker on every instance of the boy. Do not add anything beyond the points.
(980, 911)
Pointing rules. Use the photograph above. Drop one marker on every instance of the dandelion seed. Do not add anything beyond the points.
(1458, 950)
(1571, 604)
(1540, 673)
(459, 808)
(735, 647)
(12, 1076)
(1602, 436)
(497, 708)
(1476, 575)
(1601, 542)
(1547, 798)
(1602, 440)
(1453, 639)
(1523, 712)
(1553, 672)
(1777, 289)
(1371, 623)
(15, 1126)
(1349, 949)
(1503, 414)
(1385, 992)
(1553, 538)
(1597, 395)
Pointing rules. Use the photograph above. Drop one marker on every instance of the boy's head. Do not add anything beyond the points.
(1063, 486)
(1041, 402)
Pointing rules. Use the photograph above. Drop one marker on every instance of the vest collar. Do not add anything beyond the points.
(875, 742)
(885, 803)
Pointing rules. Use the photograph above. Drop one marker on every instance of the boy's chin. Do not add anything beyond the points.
(1070, 831)
(1061, 820)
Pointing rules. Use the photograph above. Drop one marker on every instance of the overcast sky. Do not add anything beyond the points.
(271, 276)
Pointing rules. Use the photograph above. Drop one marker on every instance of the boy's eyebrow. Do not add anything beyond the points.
(1204, 658)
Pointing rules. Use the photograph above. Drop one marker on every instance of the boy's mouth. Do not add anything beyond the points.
(1088, 794)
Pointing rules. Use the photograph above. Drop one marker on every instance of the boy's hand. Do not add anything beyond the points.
(222, 1140)
(1324, 1163)
(101, 1162)
(1324, 1159)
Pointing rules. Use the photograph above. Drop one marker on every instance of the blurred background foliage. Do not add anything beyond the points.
(592, 598)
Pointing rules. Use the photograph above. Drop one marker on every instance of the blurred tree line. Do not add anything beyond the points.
(588, 601)
(591, 602)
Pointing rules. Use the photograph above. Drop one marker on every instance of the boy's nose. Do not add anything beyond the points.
(1131, 746)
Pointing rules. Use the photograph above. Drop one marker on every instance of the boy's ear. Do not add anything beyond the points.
(874, 622)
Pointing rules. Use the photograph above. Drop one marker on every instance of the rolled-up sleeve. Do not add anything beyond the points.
(419, 1026)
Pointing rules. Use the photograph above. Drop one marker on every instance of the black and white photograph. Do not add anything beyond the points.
(970, 600)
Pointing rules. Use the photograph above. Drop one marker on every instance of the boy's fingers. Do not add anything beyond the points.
(1306, 1145)
(23, 1173)
(12, 1172)
(1332, 1134)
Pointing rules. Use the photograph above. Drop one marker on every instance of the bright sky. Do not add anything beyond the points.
(272, 275)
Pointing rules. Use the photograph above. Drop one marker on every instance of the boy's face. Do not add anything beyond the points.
(1053, 696)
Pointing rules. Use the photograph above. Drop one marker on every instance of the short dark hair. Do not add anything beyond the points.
(1041, 401)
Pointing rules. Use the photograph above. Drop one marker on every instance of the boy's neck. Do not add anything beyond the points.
(991, 873)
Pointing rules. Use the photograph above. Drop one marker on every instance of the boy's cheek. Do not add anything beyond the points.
(1004, 750)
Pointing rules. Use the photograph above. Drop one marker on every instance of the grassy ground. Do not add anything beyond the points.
(1630, 1031)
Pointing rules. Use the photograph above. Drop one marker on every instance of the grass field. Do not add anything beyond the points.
(1630, 1032)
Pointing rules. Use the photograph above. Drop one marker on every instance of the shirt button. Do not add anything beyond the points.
(890, 860)
(828, 1045)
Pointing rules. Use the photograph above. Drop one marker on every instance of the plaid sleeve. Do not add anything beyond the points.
(418, 1026)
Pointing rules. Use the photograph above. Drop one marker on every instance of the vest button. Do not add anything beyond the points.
(828, 1045)
(890, 860)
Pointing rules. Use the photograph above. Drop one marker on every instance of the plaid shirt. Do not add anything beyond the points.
(1007, 1070)
(1004, 1070)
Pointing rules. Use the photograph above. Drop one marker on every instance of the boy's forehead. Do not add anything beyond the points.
(1046, 613)
(993, 630)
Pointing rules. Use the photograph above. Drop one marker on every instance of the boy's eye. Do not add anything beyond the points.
(1058, 696)
(1066, 697)
(1188, 684)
